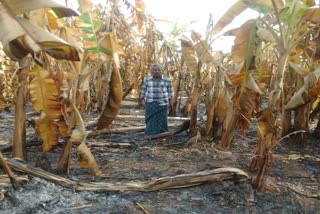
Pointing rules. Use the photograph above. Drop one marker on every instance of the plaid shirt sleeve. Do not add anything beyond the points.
(143, 88)
(170, 89)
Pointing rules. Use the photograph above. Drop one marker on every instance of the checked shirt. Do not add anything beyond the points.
(157, 90)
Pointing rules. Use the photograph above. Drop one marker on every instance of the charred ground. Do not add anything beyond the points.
(295, 172)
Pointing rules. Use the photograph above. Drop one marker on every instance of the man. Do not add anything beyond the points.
(156, 96)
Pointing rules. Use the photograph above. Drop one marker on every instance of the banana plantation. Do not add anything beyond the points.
(243, 126)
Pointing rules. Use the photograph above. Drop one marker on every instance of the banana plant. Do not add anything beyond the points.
(246, 100)
(293, 28)
(19, 37)
(287, 17)
(195, 54)
(28, 38)
(295, 23)
(100, 51)
(284, 28)
(243, 51)
(107, 48)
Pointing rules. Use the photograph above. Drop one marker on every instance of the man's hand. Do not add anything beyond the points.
(171, 103)
(141, 103)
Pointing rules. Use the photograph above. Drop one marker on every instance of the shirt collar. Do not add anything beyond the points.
(157, 79)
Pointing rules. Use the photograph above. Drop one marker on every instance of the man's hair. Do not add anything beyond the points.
(156, 66)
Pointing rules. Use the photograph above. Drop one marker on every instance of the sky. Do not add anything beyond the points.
(196, 12)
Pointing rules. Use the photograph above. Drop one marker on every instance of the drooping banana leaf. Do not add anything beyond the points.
(21, 6)
(113, 102)
(48, 131)
(44, 93)
(139, 4)
(79, 132)
(72, 36)
(246, 102)
(246, 99)
(109, 42)
(243, 50)
(89, 25)
(228, 17)
(308, 92)
(52, 21)
(202, 48)
(44, 97)
(20, 37)
(262, 6)
(266, 125)
(244, 39)
(249, 103)
(86, 158)
(63, 127)
(189, 54)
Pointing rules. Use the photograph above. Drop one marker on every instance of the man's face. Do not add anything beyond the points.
(156, 72)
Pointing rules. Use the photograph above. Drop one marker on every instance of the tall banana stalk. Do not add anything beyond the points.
(195, 96)
(194, 66)
(19, 139)
(196, 54)
(176, 87)
(246, 99)
(262, 159)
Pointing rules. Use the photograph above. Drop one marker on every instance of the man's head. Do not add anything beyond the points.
(156, 71)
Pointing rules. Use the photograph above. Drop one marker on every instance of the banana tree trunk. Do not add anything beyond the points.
(228, 134)
(260, 182)
(278, 87)
(301, 117)
(65, 158)
(215, 121)
(286, 122)
(262, 159)
(210, 119)
(194, 110)
(176, 86)
(19, 141)
(301, 123)
(195, 95)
